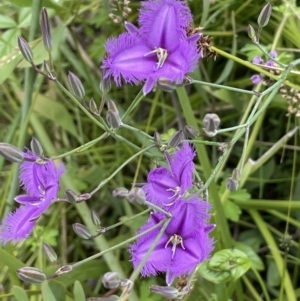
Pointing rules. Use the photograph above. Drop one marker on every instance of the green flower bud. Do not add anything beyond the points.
(36, 147)
(25, 50)
(232, 184)
(50, 253)
(31, 275)
(120, 192)
(111, 280)
(264, 16)
(76, 85)
(176, 139)
(46, 31)
(167, 292)
(11, 153)
(82, 231)
(95, 218)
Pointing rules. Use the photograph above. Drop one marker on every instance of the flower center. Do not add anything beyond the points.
(175, 240)
(161, 55)
(176, 194)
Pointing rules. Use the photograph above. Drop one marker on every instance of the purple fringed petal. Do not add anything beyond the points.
(130, 27)
(126, 58)
(163, 22)
(148, 86)
(196, 250)
(182, 166)
(161, 187)
(17, 225)
(26, 199)
(188, 217)
(256, 79)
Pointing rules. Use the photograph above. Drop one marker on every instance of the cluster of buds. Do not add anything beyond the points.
(292, 97)
(203, 44)
(122, 6)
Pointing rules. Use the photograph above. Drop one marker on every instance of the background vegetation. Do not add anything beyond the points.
(258, 218)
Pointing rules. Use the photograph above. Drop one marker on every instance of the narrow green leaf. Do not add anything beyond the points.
(19, 293)
(78, 291)
(47, 292)
(11, 261)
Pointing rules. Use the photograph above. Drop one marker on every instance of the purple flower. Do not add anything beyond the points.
(183, 246)
(160, 49)
(257, 60)
(165, 185)
(40, 178)
(273, 54)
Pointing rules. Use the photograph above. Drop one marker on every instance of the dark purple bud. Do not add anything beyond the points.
(264, 16)
(95, 218)
(157, 139)
(93, 106)
(83, 197)
(176, 139)
(167, 292)
(11, 153)
(76, 85)
(50, 253)
(113, 119)
(63, 270)
(31, 275)
(110, 298)
(232, 184)
(25, 50)
(120, 192)
(136, 196)
(190, 132)
(166, 85)
(82, 231)
(36, 147)
(111, 280)
(46, 31)
(211, 122)
(71, 196)
(252, 34)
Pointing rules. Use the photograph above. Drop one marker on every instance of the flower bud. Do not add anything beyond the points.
(112, 106)
(48, 70)
(36, 147)
(136, 196)
(211, 122)
(111, 280)
(232, 184)
(157, 139)
(166, 85)
(11, 153)
(105, 83)
(167, 292)
(82, 231)
(83, 197)
(46, 32)
(113, 119)
(264, 16)
(63, 270)
(176, 139)
(31, 275)
(50, 253)
(95, 218)
(71, 196)
(190, 132)
(76, 85)
(236, 174)
(25, 49)
(110, 298)
(251, 33)
(93, 106)
(120, 192)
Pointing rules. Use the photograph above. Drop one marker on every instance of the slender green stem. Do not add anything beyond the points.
(102, 183)
(131, 128)
(157, 208)
(224, 87)
(95, 256)
(134, 103)
(81, 147)
(126, 220)
(266, 53)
